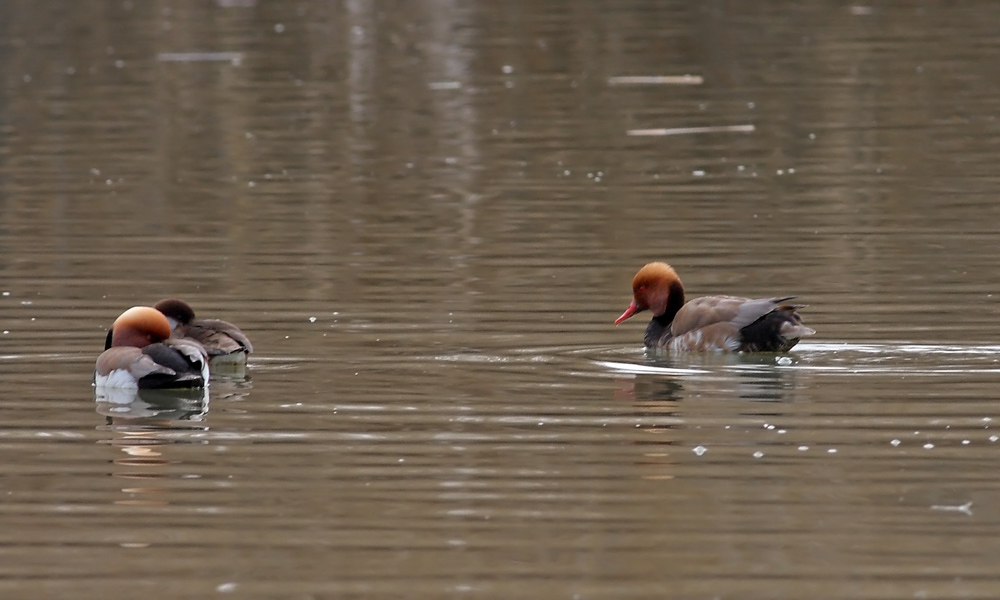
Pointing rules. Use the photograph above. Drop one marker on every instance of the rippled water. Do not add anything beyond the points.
(426, 216)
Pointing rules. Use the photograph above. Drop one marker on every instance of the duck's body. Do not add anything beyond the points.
(711, 323)
(142, 355)
(223, 341)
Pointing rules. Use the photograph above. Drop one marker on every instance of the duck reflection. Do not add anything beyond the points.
(143, 424)
(755, 377)
(123, 405)
(686, 404)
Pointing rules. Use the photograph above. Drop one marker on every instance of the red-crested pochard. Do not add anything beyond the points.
(711, 323)
(224, 342)
(141, 354)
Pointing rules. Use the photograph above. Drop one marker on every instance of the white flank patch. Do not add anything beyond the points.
(119, 378)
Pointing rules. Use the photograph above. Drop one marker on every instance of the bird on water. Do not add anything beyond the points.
(711, 323)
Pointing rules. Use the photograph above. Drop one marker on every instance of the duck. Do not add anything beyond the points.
(224, 342)
(140, 354)
(711, 323)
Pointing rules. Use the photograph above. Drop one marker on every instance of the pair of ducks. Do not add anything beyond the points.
(165, 346)
(141, 353)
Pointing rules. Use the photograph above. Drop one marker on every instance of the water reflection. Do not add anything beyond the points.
(144, 425)
(120, 404)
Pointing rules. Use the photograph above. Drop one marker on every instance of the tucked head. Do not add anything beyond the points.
(657, 288)
(139, 326)
(177, 311)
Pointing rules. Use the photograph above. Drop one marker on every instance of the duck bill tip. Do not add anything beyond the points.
(631, 310)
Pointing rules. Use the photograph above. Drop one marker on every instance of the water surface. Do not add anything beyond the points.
(426, 216)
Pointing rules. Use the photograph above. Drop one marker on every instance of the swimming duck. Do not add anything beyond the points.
(141, 354)
(224, 342)
(711, 323)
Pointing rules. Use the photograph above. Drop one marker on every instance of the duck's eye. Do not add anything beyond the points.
(642, 288)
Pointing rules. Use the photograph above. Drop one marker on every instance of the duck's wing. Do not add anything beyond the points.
(738, 312)
(128, 360)
(186, 357)
(218, 337)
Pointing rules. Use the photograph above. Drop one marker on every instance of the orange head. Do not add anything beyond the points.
(657, 288)
(139, 326)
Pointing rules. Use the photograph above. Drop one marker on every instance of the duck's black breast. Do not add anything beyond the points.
(657, 333)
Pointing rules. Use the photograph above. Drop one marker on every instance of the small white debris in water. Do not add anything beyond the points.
(6, 331)
(895, 442)
(699, 450)
(445, 85)
(962, 508)
(698, 173)
(25, 302)
(751, 105)
(119, 64)
(783, 360)
(966, 442)
(791, 170)
(803, 448)
(6, 293)
(279, 28)
(986, 419)
(507, 69)
(780, 172)
(225, 588)
(831, 450)
(312, 319)
(758, 454)
(994, 438)
(928, 446)
(741, 168)
(812, 136)
(780, 431)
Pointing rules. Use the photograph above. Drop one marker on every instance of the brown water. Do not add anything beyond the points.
(426, 215)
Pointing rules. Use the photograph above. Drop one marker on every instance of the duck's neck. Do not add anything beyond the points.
(675, 300)
(658, 330)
